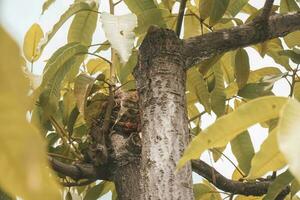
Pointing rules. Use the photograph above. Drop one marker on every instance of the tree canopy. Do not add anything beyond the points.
(51, 146)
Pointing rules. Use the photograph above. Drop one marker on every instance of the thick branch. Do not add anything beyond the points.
(231, 186)
(200, 48)
(78, 171)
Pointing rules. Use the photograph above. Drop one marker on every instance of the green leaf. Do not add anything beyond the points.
(235, 6)
(74, 8)
(99, 190)
(243, 150)
(218, 10)
(255, 90)
(22, 149)
(137, 6)
(288, 6)
(197, 86)
(288, 135)
(60, 58)
(295, 57)
(292, 39)
(151, 17)
(98, 65)
(280, 183)
(51, 94)
(83, 26)
(205, 7)
(273, 48)
(269, 158)
(31, 40)
(147, 13)
(82, 88)
(242, 67)
(123, 71)
(296, 92)
(69, 196)
(46, 5)
(191, 25)
(218, 96)
(229, 126)
(203, 191)
(254, 77)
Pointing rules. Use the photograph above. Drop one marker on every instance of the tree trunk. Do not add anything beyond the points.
(160, 80)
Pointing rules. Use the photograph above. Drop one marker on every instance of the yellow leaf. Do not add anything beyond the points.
(269, 158)
(229, 126)
(288, 135)
(292, 39)
(23, 159)
(31, 41)
(98, 65)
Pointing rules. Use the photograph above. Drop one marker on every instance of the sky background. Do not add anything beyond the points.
(18, 15)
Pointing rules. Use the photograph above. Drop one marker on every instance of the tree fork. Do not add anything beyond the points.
(160, 78)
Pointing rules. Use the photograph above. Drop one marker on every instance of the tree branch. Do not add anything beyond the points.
(267, 10)
(204, 47)
(180, 17)
(78, 171)
(231, 186)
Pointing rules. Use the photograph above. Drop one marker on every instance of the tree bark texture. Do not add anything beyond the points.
(160, 80)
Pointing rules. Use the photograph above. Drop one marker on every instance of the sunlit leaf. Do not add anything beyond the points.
(205, 7)
(229, 126)
(254, 77)
(31, 41)
(191, 25)
(278, 185)
(99, 190)
(295, 57)
(288, 6)
(242, 67)
(218, 10)
(243, 150)
(123, 71)
(97, 65)
(269, 158)
(119, 32)
(292, 39)
(273, 48)
(203, 191)
(296, 91)
(46, 5)
(83, 26)
(73, 9)
(288, 135)
(21, 144)
(82, 88)
(218, 96)
(197, 85)
(235, 6)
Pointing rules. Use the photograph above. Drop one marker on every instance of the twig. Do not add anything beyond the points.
(61, 131)
(266, 10)
(197, 116)
(93, 54)
(293, 81)
(180, 17)
(236, 167)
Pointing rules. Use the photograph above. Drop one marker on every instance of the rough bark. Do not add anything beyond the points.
(204, 47)
(160, 80)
